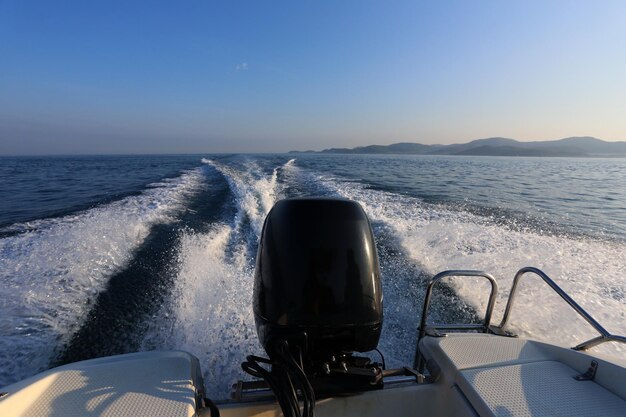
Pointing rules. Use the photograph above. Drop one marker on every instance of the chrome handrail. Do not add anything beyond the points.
(418, 363)
(605, 336)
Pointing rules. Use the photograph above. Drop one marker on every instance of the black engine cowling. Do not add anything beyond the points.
(317, 274)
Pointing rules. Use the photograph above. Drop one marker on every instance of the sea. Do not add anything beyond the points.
(103, 255)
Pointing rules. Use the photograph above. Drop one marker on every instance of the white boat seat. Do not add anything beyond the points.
(138, 384)
(513, 377)
(537, 389)
(460, 351)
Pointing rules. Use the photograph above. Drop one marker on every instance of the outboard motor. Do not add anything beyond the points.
(318, 295)
(317, 273)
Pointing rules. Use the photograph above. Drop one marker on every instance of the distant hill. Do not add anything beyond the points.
(507, 150)
(396, 148)
(574, 146)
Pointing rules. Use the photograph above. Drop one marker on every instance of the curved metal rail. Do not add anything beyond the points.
(484, 327)
(605, 336)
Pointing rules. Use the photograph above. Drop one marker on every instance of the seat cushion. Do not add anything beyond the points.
(546, 388)
(141, 384)
(460, 351)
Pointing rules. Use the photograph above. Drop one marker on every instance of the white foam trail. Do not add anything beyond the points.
(303, 182)
(254, 191)
(591, 271)
(210, 313)
(51, 274)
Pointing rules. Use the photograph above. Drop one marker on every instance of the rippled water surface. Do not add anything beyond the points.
(107, 255)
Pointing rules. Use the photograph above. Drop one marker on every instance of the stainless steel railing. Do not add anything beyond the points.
(485, 327)
(605, 336)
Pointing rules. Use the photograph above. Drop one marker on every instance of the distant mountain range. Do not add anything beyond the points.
(574, 146)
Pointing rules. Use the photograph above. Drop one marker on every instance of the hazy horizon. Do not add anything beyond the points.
(144, 78)
(200, 152)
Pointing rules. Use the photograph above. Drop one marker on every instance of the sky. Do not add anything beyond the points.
(101, 77)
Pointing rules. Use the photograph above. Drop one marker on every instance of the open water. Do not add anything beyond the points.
(112, 254)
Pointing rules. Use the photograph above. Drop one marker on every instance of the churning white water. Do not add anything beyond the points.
(52, 273)
(56, 269)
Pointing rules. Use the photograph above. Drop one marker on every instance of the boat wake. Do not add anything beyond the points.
(52, 272)
(438, 238)
(210, 312)
(56, 268)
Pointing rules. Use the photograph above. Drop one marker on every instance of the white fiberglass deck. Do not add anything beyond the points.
(140, 384)
(511, 377)
(478, 375)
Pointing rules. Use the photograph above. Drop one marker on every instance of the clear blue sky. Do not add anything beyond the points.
(208, 76)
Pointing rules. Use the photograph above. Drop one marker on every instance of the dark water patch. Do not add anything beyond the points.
(8, 232)
(213, 204)
(111, 327)
(48, 187)
(614, 292)
(117, 322)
